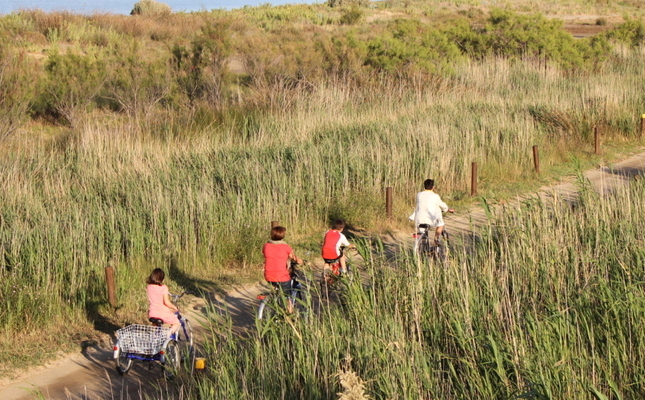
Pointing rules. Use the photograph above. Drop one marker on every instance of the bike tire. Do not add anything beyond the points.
(187, 340)
(422, 247)
(123, 363)
(185, 333)
(265, 312)
(172, 359)
(300, 301)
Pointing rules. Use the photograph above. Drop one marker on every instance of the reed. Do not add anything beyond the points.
(558, 319)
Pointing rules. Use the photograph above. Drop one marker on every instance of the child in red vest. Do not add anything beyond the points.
(333, 243)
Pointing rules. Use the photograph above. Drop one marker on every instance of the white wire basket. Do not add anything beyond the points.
(142, 339)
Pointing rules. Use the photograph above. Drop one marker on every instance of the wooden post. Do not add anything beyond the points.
(388, 202)
(596, 137)
(536, 159)
(643, 125)
(473, 180)
(111, 291)
(274, 224)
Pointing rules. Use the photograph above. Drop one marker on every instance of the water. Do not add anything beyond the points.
(125, 6)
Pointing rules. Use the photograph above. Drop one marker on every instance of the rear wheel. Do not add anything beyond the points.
(423, 246)
(123, 363)
(172, 360)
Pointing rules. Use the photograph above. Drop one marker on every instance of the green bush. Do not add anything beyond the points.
(151, 8)
(201, 70)
(351, 16)
(136, 83)
(512, 35)
(17, 81)
(411, 46)
(73, 82)
(631, 33)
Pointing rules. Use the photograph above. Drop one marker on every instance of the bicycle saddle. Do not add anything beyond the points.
(156, 321)
(424, 226)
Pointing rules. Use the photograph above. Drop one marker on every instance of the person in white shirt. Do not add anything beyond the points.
(429, 209)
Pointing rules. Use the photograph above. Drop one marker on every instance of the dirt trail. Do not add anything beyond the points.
(90, 375)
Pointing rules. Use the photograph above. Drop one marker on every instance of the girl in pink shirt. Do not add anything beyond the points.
(160, 305)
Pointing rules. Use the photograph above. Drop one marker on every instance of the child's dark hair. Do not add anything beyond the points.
(278, 232)
(338, 225)
(156, 277)
(428, 184)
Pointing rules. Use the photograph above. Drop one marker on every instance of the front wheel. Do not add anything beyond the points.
(172, 359)
(123, 363)
(300, 301)
(185, 336)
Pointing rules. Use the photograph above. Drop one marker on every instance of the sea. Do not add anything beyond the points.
(125, 6)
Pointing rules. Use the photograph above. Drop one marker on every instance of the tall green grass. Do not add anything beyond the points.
(140, 192)
(561, 318)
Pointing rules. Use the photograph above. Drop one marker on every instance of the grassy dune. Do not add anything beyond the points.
(146, 163)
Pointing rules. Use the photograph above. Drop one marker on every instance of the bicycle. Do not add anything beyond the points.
(332, 275)
(272, 301)
(155, 344)
(427, 246)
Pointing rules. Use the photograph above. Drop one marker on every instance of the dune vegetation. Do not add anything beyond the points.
(559, 318)
(174, 139)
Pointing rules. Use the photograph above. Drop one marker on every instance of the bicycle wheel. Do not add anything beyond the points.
(443, 246)
(172, 360)
(123, 363)
(265, 311)
(422, 247)
(187, 341)
(185, 333)
(300, 301)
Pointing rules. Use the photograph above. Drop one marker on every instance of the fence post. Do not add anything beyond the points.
(536, 159)
(596, 135)
(388, 202)
(111, 291)
(473, 179)
(274, 224)
(643, 125)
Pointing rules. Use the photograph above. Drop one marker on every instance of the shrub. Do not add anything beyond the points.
(511, 35)
(16, 90)
(73, 83)
(201, 70)
(409, 45)
(151, 8)
(351, 16)
(631, 33)
(136, 83)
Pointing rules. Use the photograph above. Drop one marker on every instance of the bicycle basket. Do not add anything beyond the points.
(142, 339)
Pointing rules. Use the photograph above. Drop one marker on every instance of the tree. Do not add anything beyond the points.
(73, 83)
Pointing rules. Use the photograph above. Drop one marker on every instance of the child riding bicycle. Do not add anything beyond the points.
(429, 208)
(278, 256)
(160, 305)
(333, 243)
